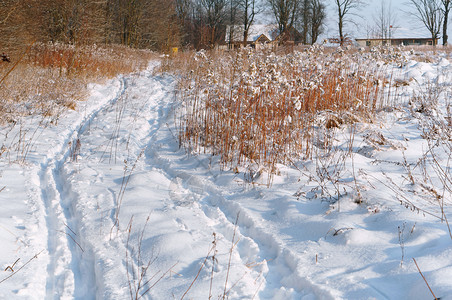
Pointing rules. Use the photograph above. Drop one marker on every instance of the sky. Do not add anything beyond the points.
(405, 25)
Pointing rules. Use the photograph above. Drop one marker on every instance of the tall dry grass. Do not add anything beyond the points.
(258, 108)
(89, 62)
(51, 78)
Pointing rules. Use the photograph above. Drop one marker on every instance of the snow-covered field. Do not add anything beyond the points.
(104, 204)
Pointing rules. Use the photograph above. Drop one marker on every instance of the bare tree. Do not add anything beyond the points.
(446, 9)
(285, 12)
(125, 18)
(310, 21)
(234, 19)
(135, 23)
(68, 21)
(142, 23)
(344, 9)
(215, 17)
(305, 19)
(8, 8)
(308, 16)
(160, 26)
(430, 14)
(385, 21)
(318, 16)
(249, 9)
(13, 32)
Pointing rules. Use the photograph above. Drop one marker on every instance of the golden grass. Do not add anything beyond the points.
(258, 108)
(53, 77)
(90, 62)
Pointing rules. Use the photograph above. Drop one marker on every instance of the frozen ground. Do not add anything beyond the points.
(103, 204)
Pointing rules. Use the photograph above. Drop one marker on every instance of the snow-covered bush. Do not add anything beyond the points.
(51, 78)
(258, 108)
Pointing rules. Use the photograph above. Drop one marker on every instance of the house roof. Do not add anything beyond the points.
(255, 32)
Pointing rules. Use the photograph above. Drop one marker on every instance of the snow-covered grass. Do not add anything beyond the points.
(105, 204)
(90, 62)
(256, 108)
(48, 79)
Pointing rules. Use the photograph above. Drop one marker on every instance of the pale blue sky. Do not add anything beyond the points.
(407, 26)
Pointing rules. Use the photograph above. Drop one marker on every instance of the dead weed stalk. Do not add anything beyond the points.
(258, 108)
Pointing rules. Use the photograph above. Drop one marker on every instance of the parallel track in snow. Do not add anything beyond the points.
(77, 267)
(70, 270)
(285, 270)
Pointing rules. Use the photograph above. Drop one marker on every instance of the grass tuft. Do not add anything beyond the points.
(257, 109)
(48, 79)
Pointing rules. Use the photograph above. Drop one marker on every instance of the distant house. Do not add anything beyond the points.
(258, 35)
(396, 42)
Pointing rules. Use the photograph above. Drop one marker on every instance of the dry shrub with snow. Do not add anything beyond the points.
(256, 107)
(50, 78)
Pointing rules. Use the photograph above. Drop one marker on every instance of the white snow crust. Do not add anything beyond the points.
(105, 201)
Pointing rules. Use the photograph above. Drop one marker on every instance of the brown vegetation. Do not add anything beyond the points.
(257, 108)
(138, 24)
(50, 78)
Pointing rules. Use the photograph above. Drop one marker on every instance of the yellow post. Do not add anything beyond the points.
(174, 51)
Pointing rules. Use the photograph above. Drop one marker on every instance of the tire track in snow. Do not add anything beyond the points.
(283, 264)
(70, 272)
(142, 98)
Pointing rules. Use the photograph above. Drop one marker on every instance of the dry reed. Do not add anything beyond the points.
(257, 109)
(51, 78)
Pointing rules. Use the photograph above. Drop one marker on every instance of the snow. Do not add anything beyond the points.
(105, 200)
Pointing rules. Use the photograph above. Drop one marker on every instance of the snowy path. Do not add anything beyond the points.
(117, 210)
(68, 260)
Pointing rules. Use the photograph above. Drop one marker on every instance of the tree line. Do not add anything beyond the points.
(434, 15)
(162, 24)
(154, 24)
(135, 23)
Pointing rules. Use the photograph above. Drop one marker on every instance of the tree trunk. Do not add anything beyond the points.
(245, 25)
(341, 35)
(341, 24)
(446, 16)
